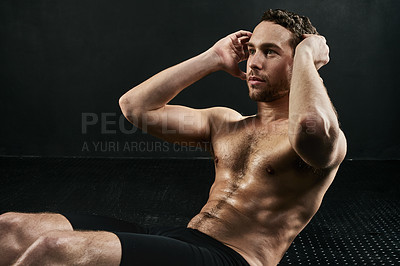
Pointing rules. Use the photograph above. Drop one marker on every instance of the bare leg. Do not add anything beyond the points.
(73, 248)
(18, 231)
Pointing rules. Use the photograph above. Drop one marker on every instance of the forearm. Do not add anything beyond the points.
(157, 91)
(310, 109)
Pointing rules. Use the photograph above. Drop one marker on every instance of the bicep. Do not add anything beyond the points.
(175, 123)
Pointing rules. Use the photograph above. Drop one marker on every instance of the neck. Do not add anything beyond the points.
(274, 110)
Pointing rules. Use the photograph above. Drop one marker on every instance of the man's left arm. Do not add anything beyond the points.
(314, 131)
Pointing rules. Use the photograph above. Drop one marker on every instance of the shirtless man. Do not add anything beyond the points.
(272, 168)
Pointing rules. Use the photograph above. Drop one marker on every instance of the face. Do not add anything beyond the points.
(270, 62)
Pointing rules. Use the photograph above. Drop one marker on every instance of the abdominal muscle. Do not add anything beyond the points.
(256, 215)
(264, 194)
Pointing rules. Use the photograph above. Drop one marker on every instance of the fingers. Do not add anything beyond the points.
(237, 72)
(319, 48)
(244, 40)
(239, 38)
(240, 45)
(232, 50)
(242, 36)
(243, 33)
(314, 35)
(240, 74)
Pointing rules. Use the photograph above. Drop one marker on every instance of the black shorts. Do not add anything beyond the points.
(161, 245)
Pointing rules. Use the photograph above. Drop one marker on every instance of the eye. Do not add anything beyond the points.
(252, 51)
(269, 52)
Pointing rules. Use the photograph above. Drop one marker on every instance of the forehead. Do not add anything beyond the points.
(269, 32)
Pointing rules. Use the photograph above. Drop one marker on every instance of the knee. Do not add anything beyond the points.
(22, 229)
(10, 218)
(73, 248)
(32, 223)
(12, 228)
(10, 222)
(10, 246)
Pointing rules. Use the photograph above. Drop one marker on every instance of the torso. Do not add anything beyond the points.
(264, 194)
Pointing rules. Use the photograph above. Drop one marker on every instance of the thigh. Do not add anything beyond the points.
(73, 248)
(19, 230)
(25, 228)
(138, 249)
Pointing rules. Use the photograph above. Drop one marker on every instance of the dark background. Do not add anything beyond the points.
(64, 65)
(63, 62)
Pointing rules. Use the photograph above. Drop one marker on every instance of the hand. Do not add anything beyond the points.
(317, 47)
(232, 50)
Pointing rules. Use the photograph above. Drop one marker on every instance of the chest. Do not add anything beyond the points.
(253, 149)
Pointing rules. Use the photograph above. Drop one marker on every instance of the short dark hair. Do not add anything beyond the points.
(297, 24)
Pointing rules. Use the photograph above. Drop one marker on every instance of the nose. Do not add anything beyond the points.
(254, 61)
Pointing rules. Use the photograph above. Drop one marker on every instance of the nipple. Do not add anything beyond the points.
(270, 170)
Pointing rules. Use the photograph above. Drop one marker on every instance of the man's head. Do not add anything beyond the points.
(271, 52)
(295, 23)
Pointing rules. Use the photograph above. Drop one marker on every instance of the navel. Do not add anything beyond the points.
(216, 160)
(270, 170)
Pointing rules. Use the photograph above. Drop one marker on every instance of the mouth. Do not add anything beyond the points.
(254, 80)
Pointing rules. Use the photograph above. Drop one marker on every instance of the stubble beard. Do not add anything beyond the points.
(268, 92)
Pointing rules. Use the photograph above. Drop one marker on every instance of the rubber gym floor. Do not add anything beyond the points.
(358, 222)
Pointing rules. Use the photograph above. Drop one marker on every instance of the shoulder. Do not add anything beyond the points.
(222, 114)
(220, 117)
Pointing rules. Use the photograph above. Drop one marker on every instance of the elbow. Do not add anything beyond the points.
(315, 140)
(129, 109)
(123, 104)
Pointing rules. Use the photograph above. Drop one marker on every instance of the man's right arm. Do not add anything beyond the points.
(146, 104)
